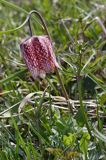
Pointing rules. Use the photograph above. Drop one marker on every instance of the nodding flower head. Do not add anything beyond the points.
(38, 54)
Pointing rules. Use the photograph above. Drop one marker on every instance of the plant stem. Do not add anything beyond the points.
(64, 91)
(42, 21)
(79, 80)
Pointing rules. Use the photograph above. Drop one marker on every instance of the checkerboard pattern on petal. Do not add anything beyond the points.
(38, 54)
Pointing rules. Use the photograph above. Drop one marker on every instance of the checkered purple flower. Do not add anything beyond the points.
(38, 54)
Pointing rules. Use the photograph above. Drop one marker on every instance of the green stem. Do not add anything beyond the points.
(64, 91)
(42, 21)
(82, 106)
(79, 82)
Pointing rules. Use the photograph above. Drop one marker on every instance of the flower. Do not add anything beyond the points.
(38, 54)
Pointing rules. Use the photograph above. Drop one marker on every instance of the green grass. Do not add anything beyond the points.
(35, 122)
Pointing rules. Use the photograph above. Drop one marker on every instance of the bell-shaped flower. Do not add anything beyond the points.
(38, 54)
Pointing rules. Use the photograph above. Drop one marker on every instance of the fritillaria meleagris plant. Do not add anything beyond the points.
(38, 54)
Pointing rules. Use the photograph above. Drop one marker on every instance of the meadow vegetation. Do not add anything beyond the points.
(35, 121)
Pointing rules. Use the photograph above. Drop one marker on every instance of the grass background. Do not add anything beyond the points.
(45, 129)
